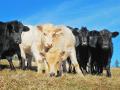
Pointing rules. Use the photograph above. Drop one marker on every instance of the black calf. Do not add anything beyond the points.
(10, 37)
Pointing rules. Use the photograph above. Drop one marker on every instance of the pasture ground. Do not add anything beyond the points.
(31, 80)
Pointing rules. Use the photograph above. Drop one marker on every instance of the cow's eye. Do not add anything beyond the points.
(12, 31)
(57, 62)
(45, 34)
(54, 35)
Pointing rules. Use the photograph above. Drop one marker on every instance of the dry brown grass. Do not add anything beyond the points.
(31, 80)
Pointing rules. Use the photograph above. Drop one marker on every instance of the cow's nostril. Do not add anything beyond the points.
(84, 43)
(49, 45)
(52, 74)
(105, 47)
(47, 49)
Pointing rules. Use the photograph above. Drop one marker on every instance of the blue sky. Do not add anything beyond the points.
(95, 14)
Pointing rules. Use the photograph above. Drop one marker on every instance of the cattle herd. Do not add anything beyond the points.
(57, 48)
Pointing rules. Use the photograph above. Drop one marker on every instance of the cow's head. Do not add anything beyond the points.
(3, 28)
(49, 34)
(76, 34)
(83, 36)
(105, 38)
(74, 30)
(93, 38)
(54, 59)
(15, 29)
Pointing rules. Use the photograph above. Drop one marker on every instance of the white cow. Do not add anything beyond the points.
(34, 43)
(64, 40)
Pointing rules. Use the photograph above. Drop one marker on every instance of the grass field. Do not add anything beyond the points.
(31, 80)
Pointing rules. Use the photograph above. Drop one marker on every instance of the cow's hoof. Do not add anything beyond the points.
(28, 68)
(84, 72)
(23, 68)
(13, 69)
(99, 74)
(109, 75)
(0, 69)
(59, 74)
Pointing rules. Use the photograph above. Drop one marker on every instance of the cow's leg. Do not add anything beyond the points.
(100, 69)
(60, 69)
(46, 67)
(0, 65)
(84, 69)
(92, 70)
(108, 73)
(38, 59)
(11, 63)
(29, 61)
(39, 62)
(70, 69)
(22, 59)
(64, 66)
(18, 52)
(94, 67)
(90, 64)
(74, 61)
(67, 66)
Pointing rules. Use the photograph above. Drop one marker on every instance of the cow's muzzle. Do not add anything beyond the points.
(18, 41)
(52, 74)
(48, 47)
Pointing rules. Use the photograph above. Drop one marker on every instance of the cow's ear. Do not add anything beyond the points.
(62, 53)
(9, 27)
(40, 28)
(58, 31)
(70, 27)
(114, 34)
(43, 54)
(75, 32)
(26, 28)
(76, 29)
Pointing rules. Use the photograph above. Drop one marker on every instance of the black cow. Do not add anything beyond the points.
(82, 49)
(10, 38)
(93, 39)
(105, 50)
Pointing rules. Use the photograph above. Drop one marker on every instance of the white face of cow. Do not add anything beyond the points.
(54, 58)
(49, 33)
(47, 37)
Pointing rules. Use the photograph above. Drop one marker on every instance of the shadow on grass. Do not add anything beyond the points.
(33, 68)
(4, 67)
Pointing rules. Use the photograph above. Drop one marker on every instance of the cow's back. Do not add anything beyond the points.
(65, 40)
(30, 38)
